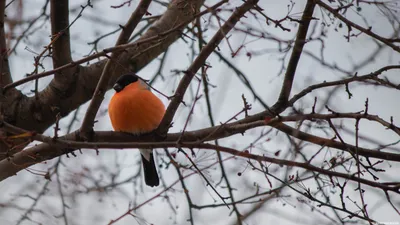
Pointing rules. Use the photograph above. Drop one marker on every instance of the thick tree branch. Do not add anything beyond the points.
(59, 14)
(61, 55)
(295, 56)
(52, 148)
(103, 53)
(199, 62)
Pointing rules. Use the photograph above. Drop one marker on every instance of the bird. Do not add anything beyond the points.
(135, 109)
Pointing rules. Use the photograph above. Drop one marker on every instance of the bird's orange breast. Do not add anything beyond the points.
(135, 110)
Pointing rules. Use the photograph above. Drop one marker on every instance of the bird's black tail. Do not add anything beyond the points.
(150, 172)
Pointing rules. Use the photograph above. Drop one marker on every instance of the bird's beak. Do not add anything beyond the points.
(117, 87)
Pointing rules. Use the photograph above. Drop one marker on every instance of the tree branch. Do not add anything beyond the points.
(346, 81)
(59, 14)
(295, 56)
(199, 62)
(55, 147)
(358, 27)
(35, 155)
(5, 77)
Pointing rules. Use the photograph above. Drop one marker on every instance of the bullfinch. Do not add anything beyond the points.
(136, 110)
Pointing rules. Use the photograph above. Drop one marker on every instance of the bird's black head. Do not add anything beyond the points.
(124, 81)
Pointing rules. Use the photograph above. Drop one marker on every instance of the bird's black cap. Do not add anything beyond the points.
(124, 81)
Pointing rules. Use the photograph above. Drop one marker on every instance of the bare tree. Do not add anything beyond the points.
(298, 128)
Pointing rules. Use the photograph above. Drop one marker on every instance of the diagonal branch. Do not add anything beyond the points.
(349, 23)
(199, 62)
(295, 56)
(98, 95)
